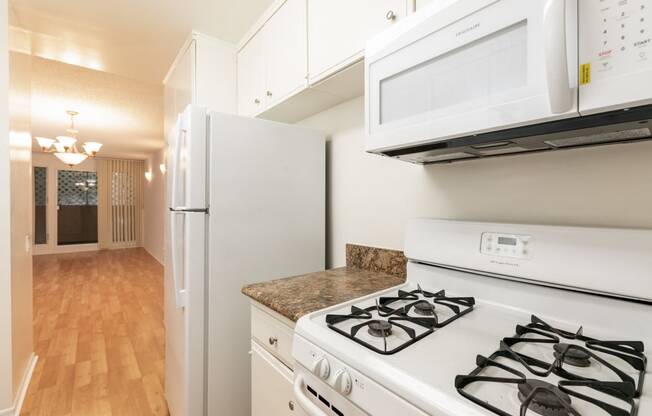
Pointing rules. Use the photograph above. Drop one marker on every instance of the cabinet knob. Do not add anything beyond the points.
(291, 405)
(269, 93)
(273, 341)
(257, 101)
(390, 15)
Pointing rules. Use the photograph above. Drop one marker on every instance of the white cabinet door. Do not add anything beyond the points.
(251, 76)
(180, 86)
(271, 386)
(339, 29)
(286, 39)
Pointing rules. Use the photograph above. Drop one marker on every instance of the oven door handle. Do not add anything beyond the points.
(306, 404)
(560, 92)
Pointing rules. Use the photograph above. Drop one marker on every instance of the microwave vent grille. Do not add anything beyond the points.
(503, 151)
(614, 136)
(448, 156)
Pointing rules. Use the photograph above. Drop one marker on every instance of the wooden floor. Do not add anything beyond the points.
(99, 335)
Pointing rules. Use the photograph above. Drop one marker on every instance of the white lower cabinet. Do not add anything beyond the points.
(271, 364)
(271, 386)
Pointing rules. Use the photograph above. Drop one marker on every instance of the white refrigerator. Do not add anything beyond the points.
(246, 202)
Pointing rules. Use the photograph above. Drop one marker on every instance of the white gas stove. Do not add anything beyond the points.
(494, 319)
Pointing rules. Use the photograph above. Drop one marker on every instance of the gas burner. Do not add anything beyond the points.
(572, 356)
(380, 329)
(424, 308)
(546, 400)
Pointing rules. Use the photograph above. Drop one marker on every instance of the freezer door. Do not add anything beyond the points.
(185, 312)
(187, 153)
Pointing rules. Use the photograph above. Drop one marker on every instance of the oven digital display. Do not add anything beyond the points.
(507, 241)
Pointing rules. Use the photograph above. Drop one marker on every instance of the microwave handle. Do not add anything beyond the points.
(560, 92)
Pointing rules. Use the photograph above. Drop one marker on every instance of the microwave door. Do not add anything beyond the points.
(481, 66)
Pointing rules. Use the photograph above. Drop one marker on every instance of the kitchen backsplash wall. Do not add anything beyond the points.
(370, 198)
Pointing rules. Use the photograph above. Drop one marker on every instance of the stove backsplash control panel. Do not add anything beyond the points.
(506, 245)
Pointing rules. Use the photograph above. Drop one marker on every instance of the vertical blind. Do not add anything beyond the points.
(120, 207)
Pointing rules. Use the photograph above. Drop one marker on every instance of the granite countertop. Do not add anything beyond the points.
(368, 270)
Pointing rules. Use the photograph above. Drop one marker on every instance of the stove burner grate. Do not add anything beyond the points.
(538, 396)
(422, 303)
(379, 328)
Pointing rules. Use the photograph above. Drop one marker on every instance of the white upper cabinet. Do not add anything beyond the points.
(339, 29)
(204, 74)
(273, 64)
(287, 67)
(251, 76)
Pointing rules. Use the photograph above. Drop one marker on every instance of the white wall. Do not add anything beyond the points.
(371, 197)
(6, 389)
(20, 142)
(155, 207)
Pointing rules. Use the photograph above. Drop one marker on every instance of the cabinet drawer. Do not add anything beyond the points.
(271, 386)
(273, 334)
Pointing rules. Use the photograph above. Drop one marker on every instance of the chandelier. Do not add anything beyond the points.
(64, 147)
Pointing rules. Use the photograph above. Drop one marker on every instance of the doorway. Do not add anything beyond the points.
(76, 207)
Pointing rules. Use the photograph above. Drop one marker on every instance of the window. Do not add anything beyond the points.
(40, 205)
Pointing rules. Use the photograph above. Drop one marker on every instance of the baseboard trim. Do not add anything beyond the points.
(22, 390)
(155, 258)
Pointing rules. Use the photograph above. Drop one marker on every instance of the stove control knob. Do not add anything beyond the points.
(322, 368)
(343, 382)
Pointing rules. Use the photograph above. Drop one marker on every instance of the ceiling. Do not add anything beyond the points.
(137, 39)
(123, 114)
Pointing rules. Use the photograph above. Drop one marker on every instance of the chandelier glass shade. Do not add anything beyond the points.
(71, 159)
(64, 147)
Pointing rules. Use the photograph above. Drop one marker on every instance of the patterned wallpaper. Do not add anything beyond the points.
(40, 183)
(77, 188)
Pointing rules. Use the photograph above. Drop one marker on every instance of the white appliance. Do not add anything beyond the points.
(464, 79)
(494, 319)
(247, 203)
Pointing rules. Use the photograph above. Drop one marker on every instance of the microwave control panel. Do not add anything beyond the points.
(615, 38)
(506, 245)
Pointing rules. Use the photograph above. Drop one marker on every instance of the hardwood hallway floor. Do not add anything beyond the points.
(99, 335)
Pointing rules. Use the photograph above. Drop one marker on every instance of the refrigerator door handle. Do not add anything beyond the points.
(184, 209)
(179, 293)
(177, 160)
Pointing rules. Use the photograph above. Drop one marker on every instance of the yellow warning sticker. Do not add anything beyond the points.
(585, 74)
